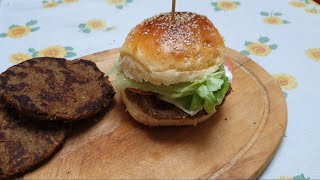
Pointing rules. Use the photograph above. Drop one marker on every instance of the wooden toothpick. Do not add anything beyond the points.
(173, 10)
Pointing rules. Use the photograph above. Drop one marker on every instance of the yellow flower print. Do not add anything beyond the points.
(285, 178)
(53, 51)
(313, 53)
(274, 20)
(259, 49)
(19, 57)
(314, 3)
(298, 4)
(70, 1)
(96, 24)
(227, 5)
(297, 177)
(286, 81)
(52, 4)
(117, 2)
(312, 11)
(19, 31)
(306, 6)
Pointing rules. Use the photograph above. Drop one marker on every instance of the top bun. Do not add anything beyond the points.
(162, 51)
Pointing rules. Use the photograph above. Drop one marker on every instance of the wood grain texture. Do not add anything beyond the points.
(238, 142)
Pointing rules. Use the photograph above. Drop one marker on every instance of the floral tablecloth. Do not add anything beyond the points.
(283, 36)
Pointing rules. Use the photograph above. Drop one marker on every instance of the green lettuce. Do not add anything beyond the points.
(191, 97)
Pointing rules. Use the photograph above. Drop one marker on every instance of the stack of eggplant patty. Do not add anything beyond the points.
(38, 99)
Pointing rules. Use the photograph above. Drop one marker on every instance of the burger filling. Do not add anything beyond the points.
(191, 97)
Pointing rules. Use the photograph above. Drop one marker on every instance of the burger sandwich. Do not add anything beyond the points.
(170, 71)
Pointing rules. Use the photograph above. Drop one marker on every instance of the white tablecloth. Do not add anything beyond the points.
(283, 36)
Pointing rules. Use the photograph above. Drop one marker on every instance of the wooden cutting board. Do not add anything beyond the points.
(237, 142)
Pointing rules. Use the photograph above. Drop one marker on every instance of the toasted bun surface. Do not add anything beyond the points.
(162, 51)
(140, 116)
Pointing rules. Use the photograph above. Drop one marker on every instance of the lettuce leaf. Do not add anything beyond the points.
(203, 98)
(191, 97)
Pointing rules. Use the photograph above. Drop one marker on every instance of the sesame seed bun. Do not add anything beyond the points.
(162, 51)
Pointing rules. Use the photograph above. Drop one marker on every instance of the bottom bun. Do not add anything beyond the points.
(137, 113)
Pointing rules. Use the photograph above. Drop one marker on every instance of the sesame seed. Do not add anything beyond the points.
(177, 35)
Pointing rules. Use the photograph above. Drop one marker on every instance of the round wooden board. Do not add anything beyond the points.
(237, 142)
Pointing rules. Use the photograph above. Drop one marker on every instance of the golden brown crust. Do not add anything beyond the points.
(158, 45)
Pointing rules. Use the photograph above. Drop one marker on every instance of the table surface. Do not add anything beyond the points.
(280, 35)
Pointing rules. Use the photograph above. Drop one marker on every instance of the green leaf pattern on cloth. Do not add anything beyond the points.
(273, 18)
(297, 177)
(259, 48)
(50, 4)
(95, 25)
(119, 4)
(18, 31)
(309, 6)
(225, 5)
(56, 51)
